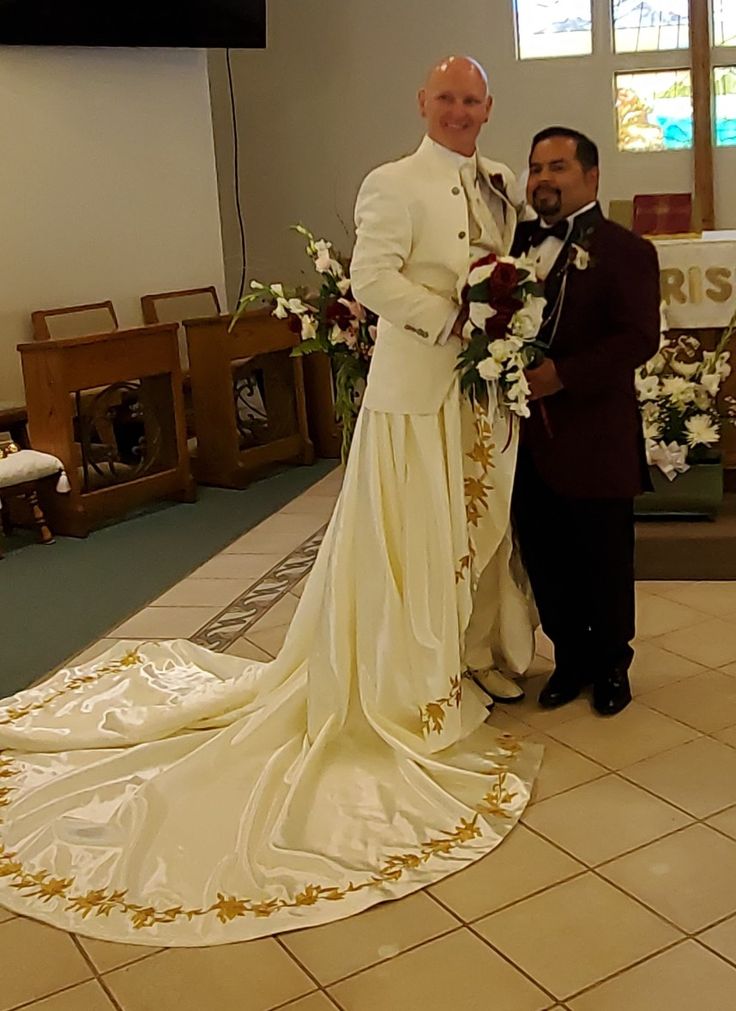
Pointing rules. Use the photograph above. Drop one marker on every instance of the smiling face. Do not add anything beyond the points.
(559, 185)
(455, 102)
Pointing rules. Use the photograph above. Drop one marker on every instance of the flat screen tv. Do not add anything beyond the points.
(239, 24)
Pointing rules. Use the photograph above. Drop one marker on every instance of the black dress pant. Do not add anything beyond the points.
(579, 554)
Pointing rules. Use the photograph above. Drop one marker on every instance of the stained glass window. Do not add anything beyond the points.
(553, 28)
(724, 23)
(643, 27)
(654, 110)
(724, 87)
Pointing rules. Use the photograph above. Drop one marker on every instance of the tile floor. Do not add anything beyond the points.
(616, 893)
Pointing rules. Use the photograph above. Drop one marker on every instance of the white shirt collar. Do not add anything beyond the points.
(571, 217)
(458, 160)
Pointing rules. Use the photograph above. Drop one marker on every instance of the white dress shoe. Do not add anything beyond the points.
(497, 685)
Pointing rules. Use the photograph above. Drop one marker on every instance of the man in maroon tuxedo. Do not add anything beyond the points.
(581, 459)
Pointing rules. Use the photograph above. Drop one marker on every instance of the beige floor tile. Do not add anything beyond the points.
(87, 997)
(269, 632)
(90, 653)
(722, 939)
(717, 598)
(706, 702)
(313, 1002)
(521, 865)
(660, 587)
(108, 955)
(193, 592)
(6, 915)
(504, 718)
(562, 768)
(281, 532)
(727, 736)
(574, 934)
(36, 960)
(725, 822)
(319, 506)
(530, 712)
(729, 668)
(698, 777)
(248, 650)
(246, 569)
(654, 667)
(686, 978)
(454, 973)
(657, 615)
(687, 877)
(165, 622)
(248, 976)
(347, 946)
(329, 485)
(629, 737)
(602, 819)
(712, 642)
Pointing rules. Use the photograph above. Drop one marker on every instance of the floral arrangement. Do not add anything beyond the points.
(677, 391)
(330, 321)
(505, 308)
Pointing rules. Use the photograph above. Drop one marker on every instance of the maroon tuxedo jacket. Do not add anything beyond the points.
(606, 323)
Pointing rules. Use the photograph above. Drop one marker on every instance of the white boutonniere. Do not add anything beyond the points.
(579, 257)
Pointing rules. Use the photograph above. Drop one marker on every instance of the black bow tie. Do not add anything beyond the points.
(558, 231)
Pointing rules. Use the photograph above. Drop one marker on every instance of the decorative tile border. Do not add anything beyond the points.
(235, 620)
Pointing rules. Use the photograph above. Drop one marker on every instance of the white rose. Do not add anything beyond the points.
(489, 369)
(527, 321)
(478, 313)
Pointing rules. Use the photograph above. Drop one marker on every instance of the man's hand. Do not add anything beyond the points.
(543, 380)
(462, 319)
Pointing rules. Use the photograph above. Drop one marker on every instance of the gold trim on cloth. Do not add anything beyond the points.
(13, 714)
(476, 483)
(39, 884)
(433, 714)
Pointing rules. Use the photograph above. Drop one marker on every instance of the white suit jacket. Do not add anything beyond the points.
(410, 262)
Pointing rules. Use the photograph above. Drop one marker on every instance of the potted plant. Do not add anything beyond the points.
(677, 392)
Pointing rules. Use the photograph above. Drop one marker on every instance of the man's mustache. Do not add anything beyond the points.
(542, 189)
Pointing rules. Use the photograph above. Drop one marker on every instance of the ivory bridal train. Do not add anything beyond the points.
(168, 795)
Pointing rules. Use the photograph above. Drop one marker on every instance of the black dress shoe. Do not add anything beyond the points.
(612, 693)
(559, 690)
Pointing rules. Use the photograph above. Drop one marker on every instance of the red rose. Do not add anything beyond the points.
(488, 258)
(503, 280)
(338, 312)
(505, 308)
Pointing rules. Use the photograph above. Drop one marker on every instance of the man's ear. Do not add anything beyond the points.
(489, 106)
(422, 100)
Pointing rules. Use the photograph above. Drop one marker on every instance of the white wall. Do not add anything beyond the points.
(108, 186)
(334, 94)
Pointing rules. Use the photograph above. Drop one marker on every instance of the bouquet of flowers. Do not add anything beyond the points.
(505, 306)
(677, 391)
(330, 321)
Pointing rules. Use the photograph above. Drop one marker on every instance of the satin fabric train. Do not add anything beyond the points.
(168, 795)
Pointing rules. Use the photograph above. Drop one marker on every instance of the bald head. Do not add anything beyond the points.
(455, 102)
(454, 68)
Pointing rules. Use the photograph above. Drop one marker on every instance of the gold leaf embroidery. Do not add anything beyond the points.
(497, 799)
(98, 902)
(477, 486)
(433, 714)
(14, 713)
